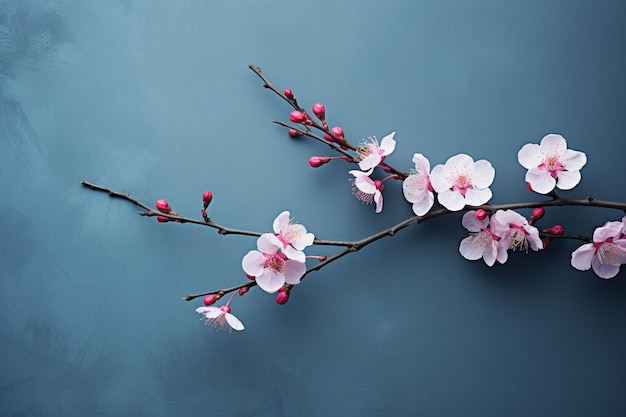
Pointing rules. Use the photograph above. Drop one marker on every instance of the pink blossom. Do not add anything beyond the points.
(514, 231)
(367, 190)
(293, 236)
(461, 182)
(271, 267)
(482, 242)
(220, 318)
(417, 188)
(605, 254)
(373, 154)
(551, 164)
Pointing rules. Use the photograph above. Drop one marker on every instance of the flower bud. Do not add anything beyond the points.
(243, 290)
(318, 161)
(250, 277)
(162, 219)
(557, 229)
(481, 214)
(337, 132)
(328, 137)
(297, 116)
(210, 299)
(294, 133)
(163, 206)
(282, 297)
(537, 214)
(530, 188)
(206, 198)
(319, 110)
(288, 93)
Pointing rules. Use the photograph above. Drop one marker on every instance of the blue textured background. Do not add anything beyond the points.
(157, 100)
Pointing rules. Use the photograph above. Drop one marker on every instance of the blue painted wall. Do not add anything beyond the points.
(157, 100)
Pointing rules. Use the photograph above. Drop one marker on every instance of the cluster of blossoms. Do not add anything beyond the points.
(459, 184)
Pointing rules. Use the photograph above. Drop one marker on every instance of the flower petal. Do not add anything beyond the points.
(573, 160)
(281, 223)
(439, 179)
(293, 253)
(471, 249)
(529, 156)
(252, 263)
(370, 161)
(602, 270)
(541, 181)
(270, 281)
(581, 257)
(422, 207)
(477, 197)
(422, 165)
(234, 322)
(553, 145)
(483, 174)
(567, 180)
(294, 271)
(471, 223)
(268, 243)
(415, 188)
(452, 200)
(388, 144)
(378, 199)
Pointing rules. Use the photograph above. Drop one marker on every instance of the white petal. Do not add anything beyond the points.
(270, 280)
(477, 197)
(415, 188)
(452, 200)
(268, 243)
(365, 184)
(573, 160)
(215, 312)
(281, 223)
(483, 174)
(490, 254)
(422, 207)
(378, 198)
(370, 161)
(234, 322)
(609, 230)
(303, 241)
(470, 250)
(422, 165)
(541, 181)
(553, 145)
(581, 257)
(605, 271)
(566, 180)
(204, 310)
(252, 263)
(471, 223)
(293, 253)
(439, 180)
(529, 156)
(294, 271)
(388, 144)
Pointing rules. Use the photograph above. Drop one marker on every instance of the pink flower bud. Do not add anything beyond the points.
(250, 277)
(557, 229)
(530, 188)
(294, 133)
(207, 197)
(243, 290)
(328, 137)
(282, 297)
(337, 132)
(162, 219)
(537, 214)
(163, 206)
(297, 116)
(319, 110)
(288, 93)
(318, 161)
(210, 299)
(481, 214)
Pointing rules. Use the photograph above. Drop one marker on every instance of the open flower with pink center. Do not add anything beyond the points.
(461, 182)
(367, 190)
(220, 318)
(551, 164)
(514, 231)
(417, 188)
(374, 154)
(482, 241)
(605, 254)
(293, 236)
(270, 267)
